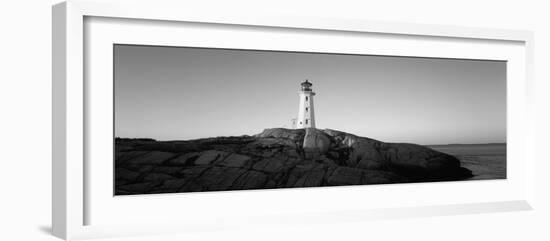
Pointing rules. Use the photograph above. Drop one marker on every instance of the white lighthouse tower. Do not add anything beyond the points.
(306, 116)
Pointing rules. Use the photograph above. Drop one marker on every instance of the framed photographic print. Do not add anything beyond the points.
(203, 121)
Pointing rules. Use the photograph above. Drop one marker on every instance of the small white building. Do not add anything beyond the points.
(306, 114)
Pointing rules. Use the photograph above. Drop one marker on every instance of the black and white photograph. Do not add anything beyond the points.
(275, 120)
(190, 119)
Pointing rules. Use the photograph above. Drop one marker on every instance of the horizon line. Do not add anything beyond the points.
(433, 144)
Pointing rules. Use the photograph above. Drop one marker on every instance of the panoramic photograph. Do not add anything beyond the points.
(192, 119)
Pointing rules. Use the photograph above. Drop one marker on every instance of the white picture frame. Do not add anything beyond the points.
(74, 198)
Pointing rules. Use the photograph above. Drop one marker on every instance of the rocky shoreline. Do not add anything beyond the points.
(275, 158)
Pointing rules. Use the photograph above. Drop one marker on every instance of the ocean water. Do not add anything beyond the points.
(487, 161)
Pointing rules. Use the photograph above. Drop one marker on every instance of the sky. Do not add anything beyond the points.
(179, 93)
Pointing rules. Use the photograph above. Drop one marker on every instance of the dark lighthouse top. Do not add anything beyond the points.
(306, 86)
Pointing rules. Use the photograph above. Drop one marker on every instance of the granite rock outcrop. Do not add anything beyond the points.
(275, 158)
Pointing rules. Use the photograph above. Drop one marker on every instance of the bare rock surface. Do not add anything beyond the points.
(234, 160)
(208, 157)
(275, 158)
(153, 157)
(316, 141)
(345, 176)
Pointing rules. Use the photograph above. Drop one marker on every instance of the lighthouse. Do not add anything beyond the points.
(306, 115)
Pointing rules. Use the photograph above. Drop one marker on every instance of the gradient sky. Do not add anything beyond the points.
(171, 93)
